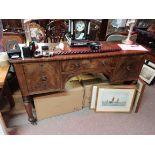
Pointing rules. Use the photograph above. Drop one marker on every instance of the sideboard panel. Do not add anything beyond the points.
(89, 64)
(128, 68)
(42, 76)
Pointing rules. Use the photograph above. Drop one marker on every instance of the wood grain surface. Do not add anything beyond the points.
(3, 74)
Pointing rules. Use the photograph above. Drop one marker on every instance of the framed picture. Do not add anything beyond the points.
(115, 99)
(93, 97)
(147, 74)
(140, 90)
(94, 92)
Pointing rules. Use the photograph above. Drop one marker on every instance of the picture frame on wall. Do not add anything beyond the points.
(113, 99)
(147, 74)
(139, 94)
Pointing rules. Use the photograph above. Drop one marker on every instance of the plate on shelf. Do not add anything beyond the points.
(37, 32)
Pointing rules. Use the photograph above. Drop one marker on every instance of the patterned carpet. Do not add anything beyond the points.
(86, 122)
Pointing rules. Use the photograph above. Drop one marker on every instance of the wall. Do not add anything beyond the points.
(1, 35)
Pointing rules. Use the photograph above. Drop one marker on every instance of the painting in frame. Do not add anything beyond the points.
(93, 94)
(140, 90)
(115, 99)
(147, 74)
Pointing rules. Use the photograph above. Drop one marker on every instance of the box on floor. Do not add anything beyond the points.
(88, 81)
(60, 103)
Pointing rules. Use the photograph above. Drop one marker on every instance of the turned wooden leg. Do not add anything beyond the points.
(28, 107)
(9, 95)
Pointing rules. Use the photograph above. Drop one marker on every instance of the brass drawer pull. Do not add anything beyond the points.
(103, 62)
(77, 65)
(128, 68)
(44, 78)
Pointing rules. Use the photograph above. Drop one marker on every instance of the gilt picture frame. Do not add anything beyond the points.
(93, 98)
(139, 94)
(113, 99)
(147, 74)
(94, 94)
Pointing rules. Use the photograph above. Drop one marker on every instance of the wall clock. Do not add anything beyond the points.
(78, 32)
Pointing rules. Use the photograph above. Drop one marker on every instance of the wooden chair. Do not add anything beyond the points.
(119, 36)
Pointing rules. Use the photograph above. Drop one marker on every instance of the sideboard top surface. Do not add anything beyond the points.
(79, 56)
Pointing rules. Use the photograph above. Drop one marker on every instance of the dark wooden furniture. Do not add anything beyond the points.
(42, 75)
(103, 29)
(151, 57)
(4, 88)
(12, 25)
(56, 30)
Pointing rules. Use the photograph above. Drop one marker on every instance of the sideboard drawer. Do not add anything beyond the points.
(42, 76)
(128, 68)
(89, 64)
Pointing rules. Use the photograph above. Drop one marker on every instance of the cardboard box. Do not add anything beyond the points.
(60, 103)
(87, 84)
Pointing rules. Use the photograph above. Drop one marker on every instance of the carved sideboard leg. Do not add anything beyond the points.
(28, 106)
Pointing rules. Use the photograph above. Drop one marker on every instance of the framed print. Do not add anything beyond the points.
(93, 98)
(140, 90)
(147, 74)
(94, 92)
(115, 99)
(149, 63)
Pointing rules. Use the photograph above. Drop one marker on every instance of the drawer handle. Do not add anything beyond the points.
(77, 65)
(103, 63)
(44, 78)
(128, 68)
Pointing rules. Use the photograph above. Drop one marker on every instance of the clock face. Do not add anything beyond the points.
(79, 26)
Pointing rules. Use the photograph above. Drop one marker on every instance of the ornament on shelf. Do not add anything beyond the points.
(131, 24)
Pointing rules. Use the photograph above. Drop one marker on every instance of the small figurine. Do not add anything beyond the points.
(60, 46)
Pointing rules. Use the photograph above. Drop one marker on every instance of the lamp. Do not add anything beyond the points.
(131, 24)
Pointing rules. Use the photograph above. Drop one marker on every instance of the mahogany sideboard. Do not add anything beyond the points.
(49, 74)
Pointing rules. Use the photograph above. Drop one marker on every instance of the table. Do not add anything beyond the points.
(49, 74)
(3, 74)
